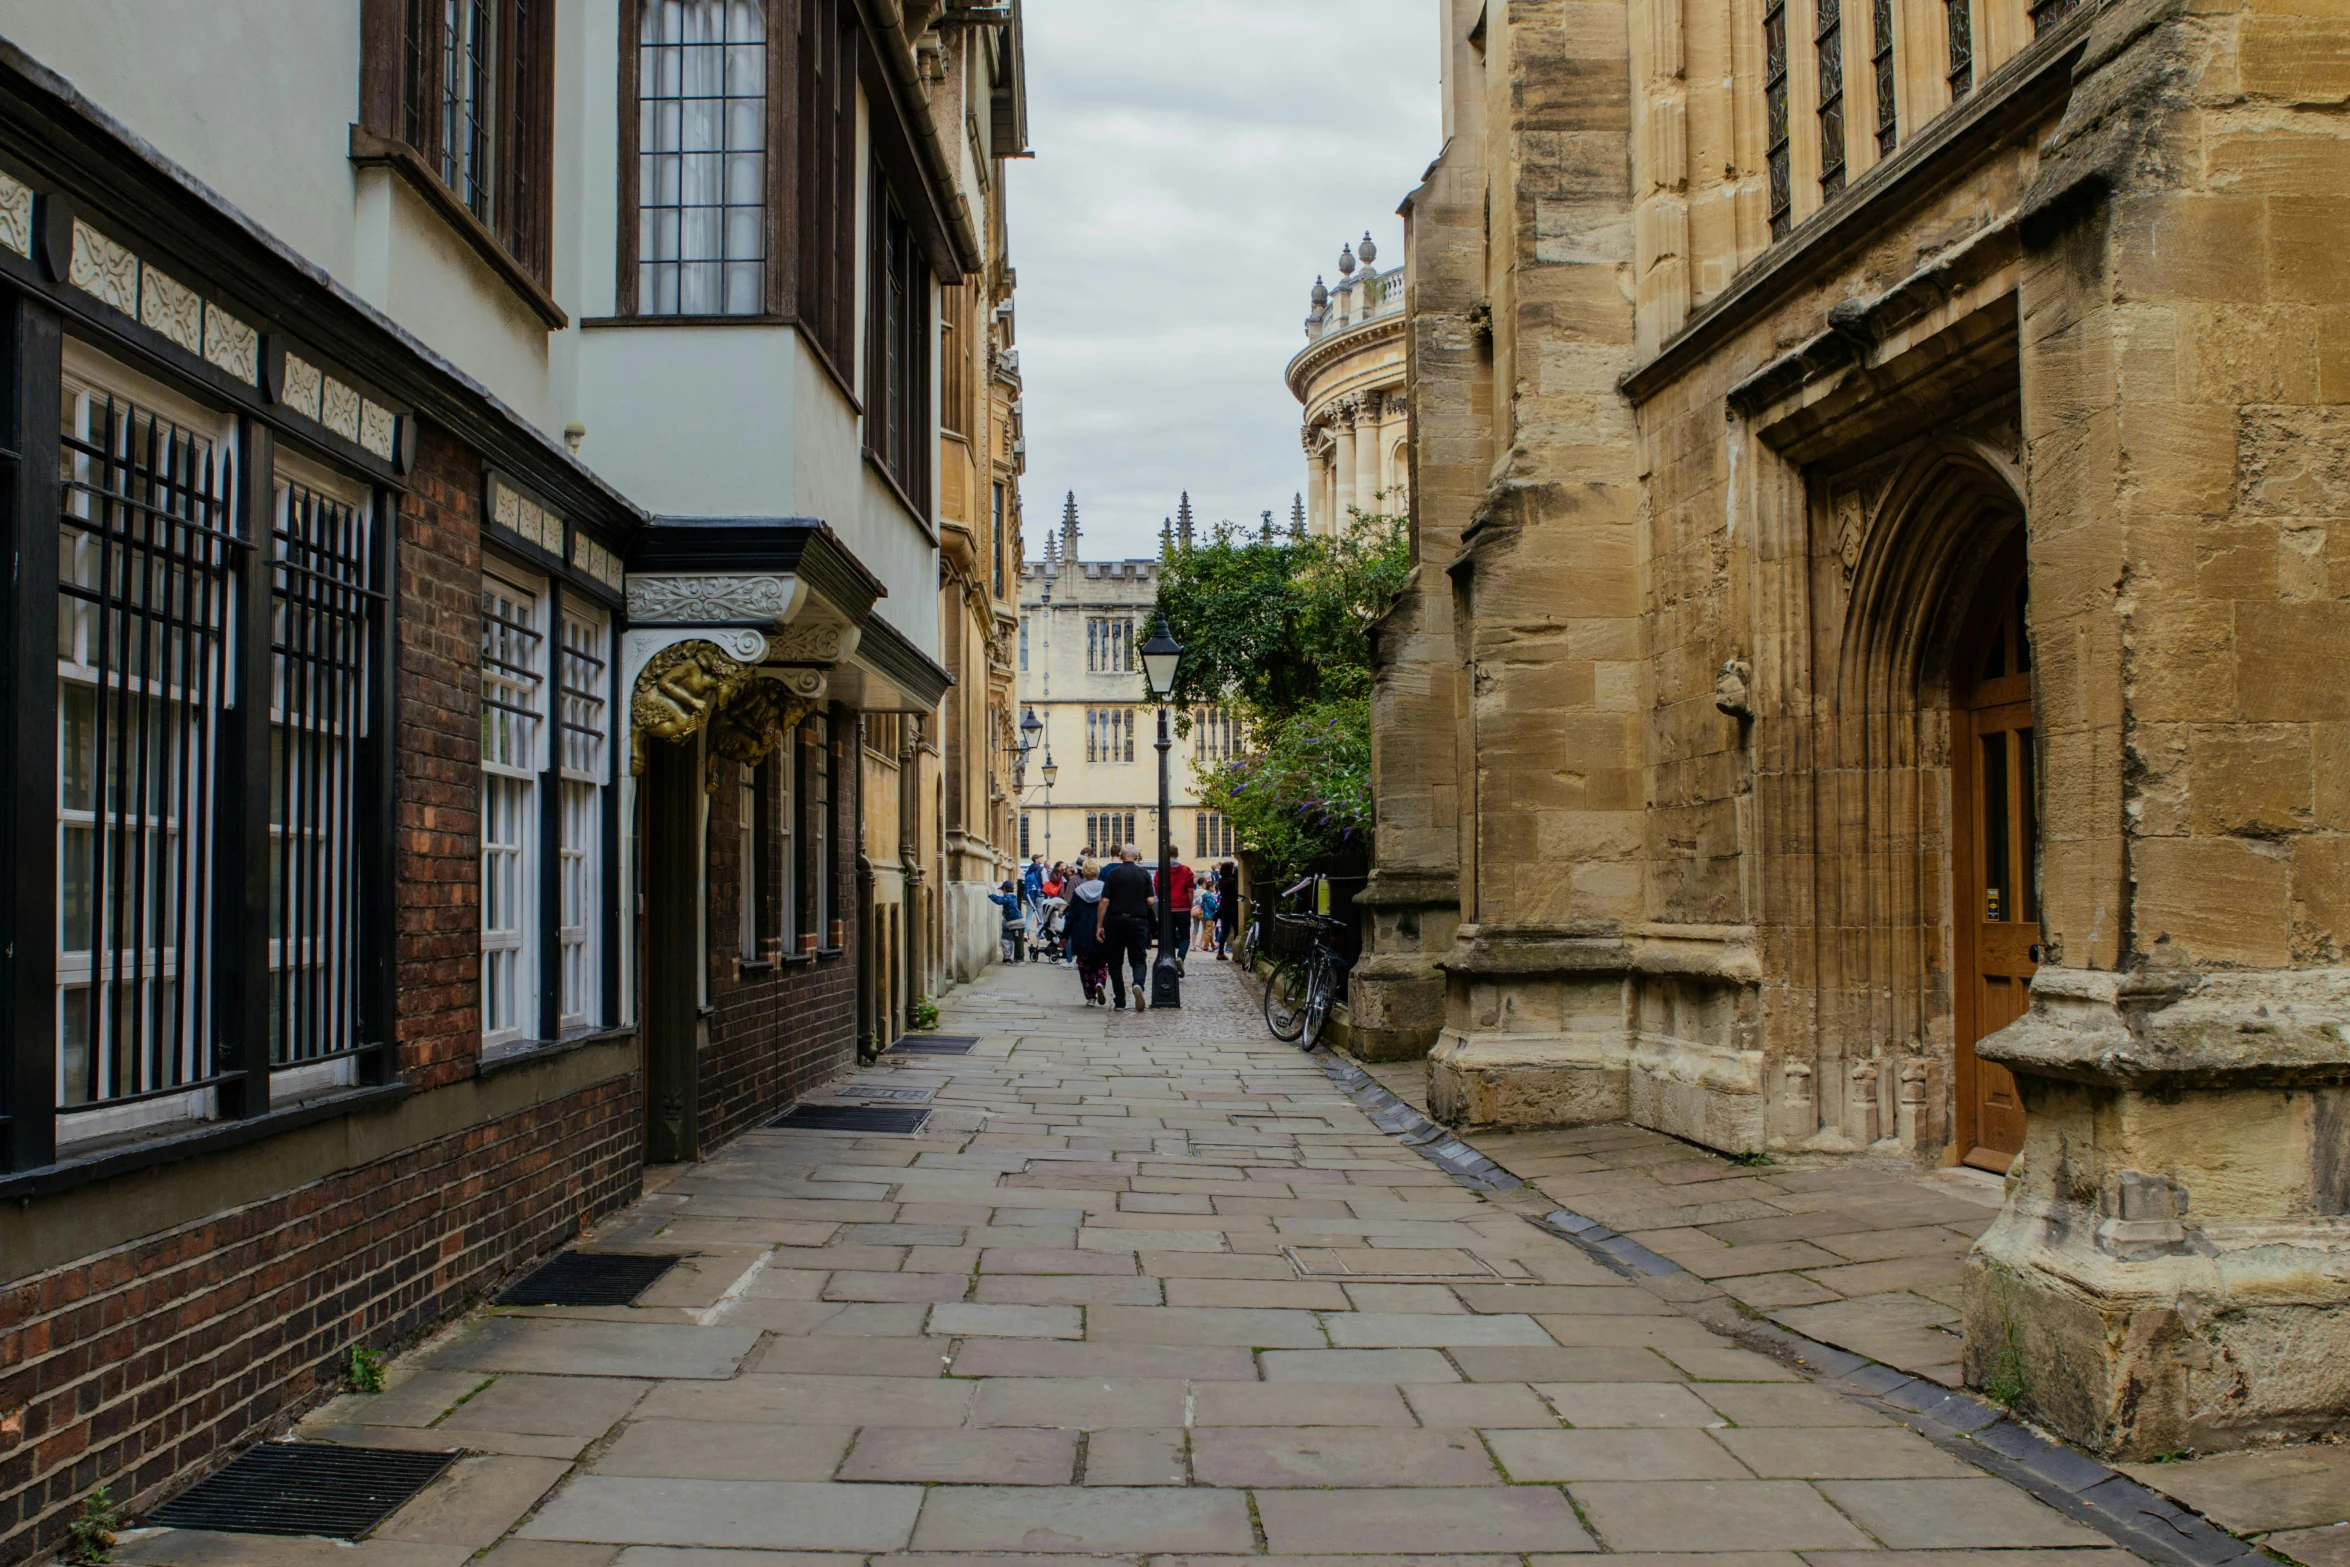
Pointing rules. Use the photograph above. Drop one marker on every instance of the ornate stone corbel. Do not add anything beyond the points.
(749, 728)
(682, 686)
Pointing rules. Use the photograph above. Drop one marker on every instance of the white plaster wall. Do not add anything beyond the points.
(695, 421)
(255, 99)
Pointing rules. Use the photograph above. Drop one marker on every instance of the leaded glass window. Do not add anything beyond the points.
(1828, 45)
(1881, 59)
(1775, 114)
(702, 158)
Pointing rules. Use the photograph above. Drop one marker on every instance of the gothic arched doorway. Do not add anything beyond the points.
(1995, 853)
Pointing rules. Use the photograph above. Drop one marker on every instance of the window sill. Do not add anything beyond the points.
(206, 1138)
(829, 952)
(613, 323)
(370, 151)
(763, 966)
(527, 1052)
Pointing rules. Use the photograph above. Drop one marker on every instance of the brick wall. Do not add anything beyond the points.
(437, 801)
(778, 1030)
(141, 1366)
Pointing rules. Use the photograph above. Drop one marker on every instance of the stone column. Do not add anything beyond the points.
(1343, 427)
(1547, 602)
(2172, 1267)
(1395, 995)
(1370, 443)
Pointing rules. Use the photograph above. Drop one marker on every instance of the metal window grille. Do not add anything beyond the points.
(702, 156)
(746, 849)
(785, 782)
(1881, 59)
(513, 704)
(1961, 19)
(1828, 46)
(146, 555)
(584, 720)
(1775, 113)
(322, 604)
(2047, 13)
(822, 810)
(468, 92)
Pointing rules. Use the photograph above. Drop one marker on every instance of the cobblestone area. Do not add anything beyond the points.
(1145, 1287)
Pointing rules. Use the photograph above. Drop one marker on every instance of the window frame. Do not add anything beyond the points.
(520, 1021)
(901, 436)
(592, 769)
(783, 181)
(240, 1082)
(403, 101)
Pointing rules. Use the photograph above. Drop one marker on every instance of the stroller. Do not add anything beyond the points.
(1051, 940)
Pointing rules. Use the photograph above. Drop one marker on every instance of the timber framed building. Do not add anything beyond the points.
(472, 479)
(1872, 679)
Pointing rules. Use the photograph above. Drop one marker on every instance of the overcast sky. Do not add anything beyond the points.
(1197, 165)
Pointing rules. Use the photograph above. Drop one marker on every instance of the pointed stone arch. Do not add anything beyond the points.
(1936, 518)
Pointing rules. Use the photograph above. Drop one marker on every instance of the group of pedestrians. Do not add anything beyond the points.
(1103, 918)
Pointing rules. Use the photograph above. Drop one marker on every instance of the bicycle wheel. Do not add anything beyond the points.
(1245, 950)
(1317, 1009)
(1285, 1000)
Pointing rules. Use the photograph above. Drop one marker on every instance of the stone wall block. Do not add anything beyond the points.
(2216, 901)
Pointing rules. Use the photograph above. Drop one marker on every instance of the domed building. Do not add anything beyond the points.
(1350, 377)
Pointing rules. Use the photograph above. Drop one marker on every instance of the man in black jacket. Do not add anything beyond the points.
(1124, 925)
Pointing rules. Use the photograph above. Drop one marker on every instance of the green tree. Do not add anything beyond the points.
(1278, 631)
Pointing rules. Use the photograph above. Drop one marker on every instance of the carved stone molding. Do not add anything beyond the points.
(709, 598)
(812, 642)
(750, 726)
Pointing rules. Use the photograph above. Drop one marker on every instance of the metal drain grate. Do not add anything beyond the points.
(935, 1045)
(588, 1278)
(858, 1093)
(304, 1488)
(851, 1118)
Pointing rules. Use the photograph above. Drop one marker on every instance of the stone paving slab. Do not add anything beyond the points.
(1150, 1290)
(742, 1514)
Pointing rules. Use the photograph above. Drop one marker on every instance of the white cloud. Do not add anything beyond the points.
(1197, 165)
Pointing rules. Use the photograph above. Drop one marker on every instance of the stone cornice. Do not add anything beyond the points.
(1314, 358)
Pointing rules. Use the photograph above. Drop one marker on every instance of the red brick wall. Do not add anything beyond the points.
(139, 1367)
(776, 1033)
(436, 804)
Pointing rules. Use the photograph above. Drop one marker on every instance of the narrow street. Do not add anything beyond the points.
(1144, 1287)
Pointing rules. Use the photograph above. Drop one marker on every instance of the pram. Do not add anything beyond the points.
(1052, 933)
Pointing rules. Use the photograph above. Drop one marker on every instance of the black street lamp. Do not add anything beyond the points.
(1160, 655)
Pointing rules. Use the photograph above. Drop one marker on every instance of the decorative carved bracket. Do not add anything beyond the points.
(679, 680)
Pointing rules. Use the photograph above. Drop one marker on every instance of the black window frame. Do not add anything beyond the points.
(899, 435)
(262, 570)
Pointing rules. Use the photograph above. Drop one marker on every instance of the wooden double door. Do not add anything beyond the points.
(1995, 854)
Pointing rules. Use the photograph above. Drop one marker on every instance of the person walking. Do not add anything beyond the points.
(1204, 913)
(1052, 932)
(1015, 919)
(1032, 893)
(1085, 941)
(1180, 882)
(1124, 926)
(1227, 908)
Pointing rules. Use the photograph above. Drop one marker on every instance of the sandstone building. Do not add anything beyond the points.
(1082, 624)
(1350, 377)
(1872, 680)
(481, 485)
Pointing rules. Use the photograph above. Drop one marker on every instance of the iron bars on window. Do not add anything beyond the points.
(323, 605)
(146, 556)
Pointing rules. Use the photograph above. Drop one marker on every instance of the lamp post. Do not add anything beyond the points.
(1160, 655)
(1050, 773)
(1029, 729)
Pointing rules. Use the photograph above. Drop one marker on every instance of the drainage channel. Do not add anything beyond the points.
(1968, 1428)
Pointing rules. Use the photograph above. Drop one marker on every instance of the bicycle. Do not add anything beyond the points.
(1300, 991)
(1252, 936)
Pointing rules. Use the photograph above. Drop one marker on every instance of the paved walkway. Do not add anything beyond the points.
(1863, 1256)
(1146, 1287)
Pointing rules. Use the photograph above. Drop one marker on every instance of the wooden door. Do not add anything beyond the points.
(1997, 848)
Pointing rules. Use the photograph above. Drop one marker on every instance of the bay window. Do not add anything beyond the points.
(702, 157)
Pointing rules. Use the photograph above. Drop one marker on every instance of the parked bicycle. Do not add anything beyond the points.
(1299, 994)
(1252, 935)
